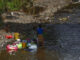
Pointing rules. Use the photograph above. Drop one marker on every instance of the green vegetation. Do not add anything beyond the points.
(17, 5)
(13, 5)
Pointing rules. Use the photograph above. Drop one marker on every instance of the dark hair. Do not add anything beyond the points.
(40, 26)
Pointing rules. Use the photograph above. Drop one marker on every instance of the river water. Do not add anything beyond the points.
(41, 54)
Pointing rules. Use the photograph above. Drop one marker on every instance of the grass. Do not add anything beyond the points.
(13, 4)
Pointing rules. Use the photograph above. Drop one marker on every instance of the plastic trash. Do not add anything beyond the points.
(19, 40)
(16, 36)
(29, 44)
(11, 47)
(33, 47)
(24, 43)
(9, 36)
(19, 45)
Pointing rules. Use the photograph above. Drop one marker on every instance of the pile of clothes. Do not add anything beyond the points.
(28, 44)
(22, 44)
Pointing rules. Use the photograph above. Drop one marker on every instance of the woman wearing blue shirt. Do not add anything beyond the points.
(40, 35)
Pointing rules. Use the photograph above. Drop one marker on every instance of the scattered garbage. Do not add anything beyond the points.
(11, 47)
(28, 44)
(9, 36)
(16, 36)
(19, 45)
(24, 43)
(33, 47)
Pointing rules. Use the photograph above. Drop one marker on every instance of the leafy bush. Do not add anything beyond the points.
(12, 6)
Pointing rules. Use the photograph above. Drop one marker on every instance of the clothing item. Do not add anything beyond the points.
(40, 31)
(40, 39)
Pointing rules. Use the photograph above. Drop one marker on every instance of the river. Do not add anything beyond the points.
(41, 54)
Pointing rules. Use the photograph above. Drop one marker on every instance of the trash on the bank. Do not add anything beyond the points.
(16, 36)
(11, 47)
(19, 40)
(27, 44)
(33, 46)
(9, 36)
(19, 45)
(24, 42)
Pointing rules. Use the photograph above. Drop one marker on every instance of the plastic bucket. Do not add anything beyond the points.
(19, 45)
(24, 43)
(16, 36)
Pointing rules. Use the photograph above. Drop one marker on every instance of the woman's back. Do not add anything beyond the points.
(39, 30)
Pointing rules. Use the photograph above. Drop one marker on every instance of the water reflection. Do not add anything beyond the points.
(11, 52)
(40, 54)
